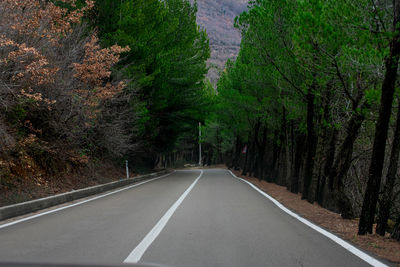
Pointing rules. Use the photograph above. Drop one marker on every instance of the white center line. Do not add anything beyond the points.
(138, 252)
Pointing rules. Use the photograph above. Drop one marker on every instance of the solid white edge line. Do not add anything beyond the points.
(140, 249)
(81, 202)
(362, 255)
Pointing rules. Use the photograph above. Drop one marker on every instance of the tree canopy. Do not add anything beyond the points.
(167, 64)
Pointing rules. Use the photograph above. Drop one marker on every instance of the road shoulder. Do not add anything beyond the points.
(383, 247)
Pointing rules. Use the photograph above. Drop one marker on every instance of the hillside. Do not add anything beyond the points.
(217, 17)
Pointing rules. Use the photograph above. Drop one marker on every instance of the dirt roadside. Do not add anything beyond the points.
(383, 247)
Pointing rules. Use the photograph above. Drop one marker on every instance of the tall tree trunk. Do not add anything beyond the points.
(219, 154)
(283, 168)
(275, 155)
(386, 202)
(298, 159)
(261, 153)
(325, 139)
(381, 130)
(291, 152)
(320, 133)
(396, 230)
(329, 159)
(209, 159)
(253, 154)
(246, 158)
(342, 165)
(316, 183)
(238, 151)
(311, 145)
(288, 158)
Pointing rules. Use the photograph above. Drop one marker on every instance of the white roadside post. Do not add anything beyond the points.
(199, 143)
(127, 169)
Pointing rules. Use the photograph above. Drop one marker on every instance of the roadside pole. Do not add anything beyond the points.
(127, 169)
(199, 143)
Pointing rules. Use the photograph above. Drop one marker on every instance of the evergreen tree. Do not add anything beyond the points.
(167, 58)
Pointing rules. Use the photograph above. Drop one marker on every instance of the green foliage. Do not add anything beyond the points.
(373, 96)
(17, 114)
(332, 50)
(167, 59)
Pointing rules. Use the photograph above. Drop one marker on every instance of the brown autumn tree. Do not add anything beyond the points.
(54, 78)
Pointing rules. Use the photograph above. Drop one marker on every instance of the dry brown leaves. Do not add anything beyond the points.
(31, 69)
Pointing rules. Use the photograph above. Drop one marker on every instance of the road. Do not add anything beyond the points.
(189, 218)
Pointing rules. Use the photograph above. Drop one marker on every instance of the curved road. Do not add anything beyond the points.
(189, 218)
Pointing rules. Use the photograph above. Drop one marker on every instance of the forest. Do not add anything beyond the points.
(311, 102)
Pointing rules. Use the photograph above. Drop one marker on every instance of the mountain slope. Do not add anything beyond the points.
(217, 17)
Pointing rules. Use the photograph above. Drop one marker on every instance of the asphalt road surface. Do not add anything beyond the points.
(189, 218)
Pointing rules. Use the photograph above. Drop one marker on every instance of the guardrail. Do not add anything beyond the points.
(14, 210)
